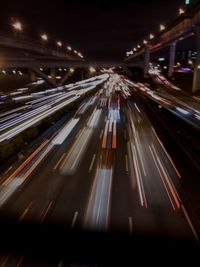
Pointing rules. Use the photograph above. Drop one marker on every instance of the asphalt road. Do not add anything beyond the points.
(95, 182)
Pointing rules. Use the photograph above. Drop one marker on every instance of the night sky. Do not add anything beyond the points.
(99, 29)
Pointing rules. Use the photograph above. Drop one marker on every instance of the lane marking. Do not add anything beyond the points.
(74, 219)
(142, 195)
(25, 212)
(130, 221)
(126, 158)
(190, 224)
(92, 163)
(170, 159)
(101, 134)
(58, 163)
(46, 211)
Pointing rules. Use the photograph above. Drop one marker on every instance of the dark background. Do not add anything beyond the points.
(99, 29)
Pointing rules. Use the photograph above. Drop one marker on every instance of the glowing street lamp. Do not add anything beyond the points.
(44, 37)
(162, 27)
(71, 70)
(138, 46)
(145, 42)
(151, 36)
(181, 11)
(59, 43)
(92, 70)
(69, 48)
(17, 26)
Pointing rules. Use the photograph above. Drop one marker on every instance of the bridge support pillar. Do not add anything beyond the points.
(44, 76)
(146, 60)
(53, 74)
(67, 75)
(33, 76)
(196, 77)
(172, 57)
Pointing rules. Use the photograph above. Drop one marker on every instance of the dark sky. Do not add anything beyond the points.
(99, 29)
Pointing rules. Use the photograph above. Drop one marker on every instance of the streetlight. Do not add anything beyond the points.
(135, 49)
(181, 11)
(75, 52)
(69, 48)
(17, 26)
(145, 42)
(59, 43)
(151, 36)
(71, 70)
(138, 46)
(44, 37)
(92, 70)
(162, 27)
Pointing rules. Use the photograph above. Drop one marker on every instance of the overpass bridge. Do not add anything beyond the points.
(16, 52)
(185, 26)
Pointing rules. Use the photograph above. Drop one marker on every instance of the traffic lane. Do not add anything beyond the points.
(47, 202)
(159, 215)
(166, 167)
(75, 194)
(122, 194)
(48, 209)
(125, 208)
(42, 178)
(173, 134)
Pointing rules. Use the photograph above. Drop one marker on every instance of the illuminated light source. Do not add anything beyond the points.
(181, 11)
(41, 69)
(135, 49)
(44, 37)
(71, 70)
(17, 26)
(198, 67)
(145, 42)
(75, 52)
(151, 36)
(190, 62)
(138, 46)
(3, 71)
(165, 67)
(185, 112)
(69, 48)
(59, 43)
(162, 27)
(161, 59)
(92, 70)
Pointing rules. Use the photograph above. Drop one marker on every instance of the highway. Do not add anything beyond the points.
(105, 170)
(41, 105)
